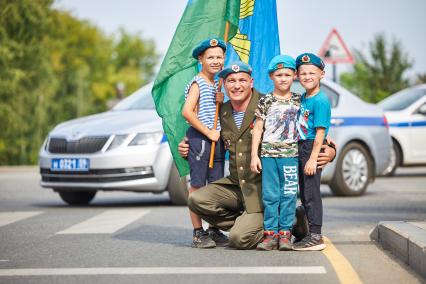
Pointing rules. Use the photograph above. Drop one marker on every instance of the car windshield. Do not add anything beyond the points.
(402, 99)
(141, 99)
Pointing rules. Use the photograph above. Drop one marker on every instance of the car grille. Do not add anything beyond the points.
(82, 146)
(97, 176)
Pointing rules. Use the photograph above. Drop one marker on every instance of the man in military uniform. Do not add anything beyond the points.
(234, 202)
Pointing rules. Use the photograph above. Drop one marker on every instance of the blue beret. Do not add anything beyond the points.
(309, 58)
(235, 67)
(207, 43)
(280, 62)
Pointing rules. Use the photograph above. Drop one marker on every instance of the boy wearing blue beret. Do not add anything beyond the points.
(276, 118)
(314, 122)
(199, 110)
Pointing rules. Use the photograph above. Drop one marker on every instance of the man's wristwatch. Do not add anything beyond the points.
(331, 145)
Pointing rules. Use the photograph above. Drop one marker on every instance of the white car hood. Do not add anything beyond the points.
(108, 123)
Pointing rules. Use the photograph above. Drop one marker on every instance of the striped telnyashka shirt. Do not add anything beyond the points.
(238, 117)
(207, 101)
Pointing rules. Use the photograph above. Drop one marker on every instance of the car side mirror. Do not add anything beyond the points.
(422, 110)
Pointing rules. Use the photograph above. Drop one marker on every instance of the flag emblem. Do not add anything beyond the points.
(256, 41)
(240, 42)
(213, 42)
(306, 59)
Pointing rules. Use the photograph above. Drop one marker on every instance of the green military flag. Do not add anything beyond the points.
(201, 19)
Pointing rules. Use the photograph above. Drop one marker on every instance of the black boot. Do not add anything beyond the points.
(218, 237)
(300, 227)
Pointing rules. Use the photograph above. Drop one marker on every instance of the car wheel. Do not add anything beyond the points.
(395, 160)
(353, 170)
(177, 187)
(75, 197)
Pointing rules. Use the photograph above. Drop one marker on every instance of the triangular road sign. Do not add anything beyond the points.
(334, 49)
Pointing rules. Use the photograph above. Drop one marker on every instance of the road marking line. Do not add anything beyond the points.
(107, 222)
(7, 218)
(4, 260)
(343, 268)
(164, 270)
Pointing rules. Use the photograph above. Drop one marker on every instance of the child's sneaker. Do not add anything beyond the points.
(269, 241)
(201, 239)
(218, 237)
(285, 241)
(310, 242)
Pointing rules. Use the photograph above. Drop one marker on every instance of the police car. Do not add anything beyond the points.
(126, 149)
(406, 114)
(121, 149)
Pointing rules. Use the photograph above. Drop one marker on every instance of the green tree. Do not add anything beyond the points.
(54, 67)
(134, 60)
(25, 73)
(381, 73)
(81, 61)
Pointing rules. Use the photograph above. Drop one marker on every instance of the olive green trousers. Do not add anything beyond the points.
(222, 205)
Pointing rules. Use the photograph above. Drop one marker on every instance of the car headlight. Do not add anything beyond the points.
(151, 138)
(117, 141)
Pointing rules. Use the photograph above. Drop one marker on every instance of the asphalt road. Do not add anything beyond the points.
(142, 238)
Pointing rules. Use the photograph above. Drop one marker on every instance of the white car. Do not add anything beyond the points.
(406, 115)
(121, 149)
(126, 149)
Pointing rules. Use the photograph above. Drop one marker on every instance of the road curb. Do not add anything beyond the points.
(406, 240)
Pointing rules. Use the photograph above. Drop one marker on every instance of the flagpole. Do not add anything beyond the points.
(216, 116)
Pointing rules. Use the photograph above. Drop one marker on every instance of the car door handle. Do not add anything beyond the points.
(337, 121)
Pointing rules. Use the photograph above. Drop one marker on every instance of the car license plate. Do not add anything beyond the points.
(70, 164)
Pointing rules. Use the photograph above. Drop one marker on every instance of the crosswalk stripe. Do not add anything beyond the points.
(107, 222)
(165, 270)
(7, 218)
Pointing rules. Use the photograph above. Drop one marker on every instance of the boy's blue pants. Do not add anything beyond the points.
(279, 190)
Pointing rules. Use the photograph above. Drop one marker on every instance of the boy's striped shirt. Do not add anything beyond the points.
(207, 101)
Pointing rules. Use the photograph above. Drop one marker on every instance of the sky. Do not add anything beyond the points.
(303, 25)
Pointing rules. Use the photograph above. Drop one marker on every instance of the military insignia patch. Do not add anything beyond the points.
(213, 42)
(252, 124)
(280, 66)
(306, 113)
(235, 68)
(306, 59)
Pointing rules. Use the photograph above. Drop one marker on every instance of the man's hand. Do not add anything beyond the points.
(326, 155)
(255, 165)
(183, 147)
